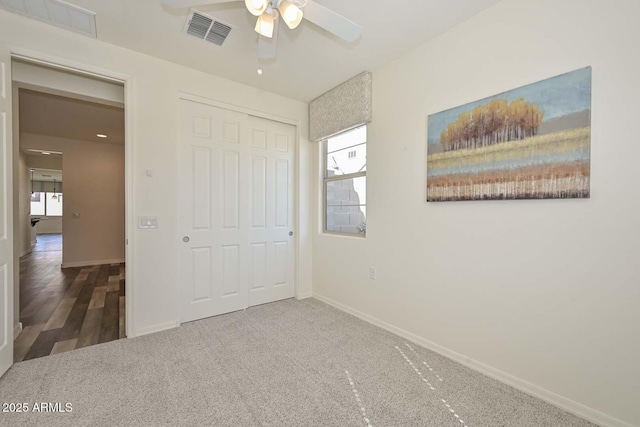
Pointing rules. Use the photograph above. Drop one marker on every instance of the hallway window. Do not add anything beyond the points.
(38, 203)
(45, 204)
(54, 204)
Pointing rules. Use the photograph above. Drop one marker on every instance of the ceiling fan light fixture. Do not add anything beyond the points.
(256, 7)
(264, 25)
(291, 14)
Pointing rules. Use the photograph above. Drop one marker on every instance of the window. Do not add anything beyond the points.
(345, 182)
(54, 204)
(37, 203)
(44, 204)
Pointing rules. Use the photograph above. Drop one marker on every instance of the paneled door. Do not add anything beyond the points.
(271, 246)
(228, 193)
(6, 214)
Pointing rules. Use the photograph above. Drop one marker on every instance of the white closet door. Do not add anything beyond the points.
(229, 191)
(213, 178)
(271, 241)
(6, 214)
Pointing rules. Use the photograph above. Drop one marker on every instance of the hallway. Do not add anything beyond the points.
(64, 309)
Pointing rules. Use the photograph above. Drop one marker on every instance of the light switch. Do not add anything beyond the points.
(147, 222)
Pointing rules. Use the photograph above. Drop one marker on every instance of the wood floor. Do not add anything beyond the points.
(65, 309)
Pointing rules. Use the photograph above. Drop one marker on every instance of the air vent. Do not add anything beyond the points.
(199, 25)
(207, 28)
(55, 12)
(219, 33)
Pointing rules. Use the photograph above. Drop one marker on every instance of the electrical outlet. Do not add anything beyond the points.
(372, 273)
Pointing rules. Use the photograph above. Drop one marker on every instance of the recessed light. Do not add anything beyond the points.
(101, 135)
(259, 71)
(46, 153)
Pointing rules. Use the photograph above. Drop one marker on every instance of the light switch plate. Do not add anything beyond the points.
(147, 222)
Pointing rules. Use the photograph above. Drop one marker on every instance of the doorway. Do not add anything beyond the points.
(72, 276)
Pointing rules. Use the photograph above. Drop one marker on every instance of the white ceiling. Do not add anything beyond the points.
(310, 61)
(57, 116)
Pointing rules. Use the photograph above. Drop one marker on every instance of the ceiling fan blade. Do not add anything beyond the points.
(268, 47)
(176, 4)
(329, 20)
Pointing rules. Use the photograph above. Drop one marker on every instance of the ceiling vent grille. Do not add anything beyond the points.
(55, 12)
(207, 28)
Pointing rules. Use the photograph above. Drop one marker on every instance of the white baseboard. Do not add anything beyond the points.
(155, 328)
(304, 296)
(90, 263)
(17, 330)
(568, 405)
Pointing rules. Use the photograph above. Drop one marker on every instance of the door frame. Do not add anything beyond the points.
(65, 64)
(187, 96)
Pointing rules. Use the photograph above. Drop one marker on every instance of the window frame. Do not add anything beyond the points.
(47, 200)
(46, 203)
(326, 180)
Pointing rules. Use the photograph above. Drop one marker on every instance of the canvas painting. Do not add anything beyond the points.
(533, 142)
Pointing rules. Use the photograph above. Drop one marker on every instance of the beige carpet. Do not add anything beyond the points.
(291, 363)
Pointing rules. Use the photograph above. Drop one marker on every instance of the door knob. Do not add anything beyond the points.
(185, 239)
(291, 233)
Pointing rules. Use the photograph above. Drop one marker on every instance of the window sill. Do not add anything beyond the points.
(362, 236)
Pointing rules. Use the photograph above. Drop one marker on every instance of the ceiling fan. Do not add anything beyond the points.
(269, 12)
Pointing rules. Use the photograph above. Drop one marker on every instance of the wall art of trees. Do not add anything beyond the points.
(531, 142)
(494, 122)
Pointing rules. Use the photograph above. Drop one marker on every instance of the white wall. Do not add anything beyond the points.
(155, 86)
(546, 291)
(39, 161)
(94, 188)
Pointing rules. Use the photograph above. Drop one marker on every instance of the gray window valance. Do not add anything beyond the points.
(342, 108)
